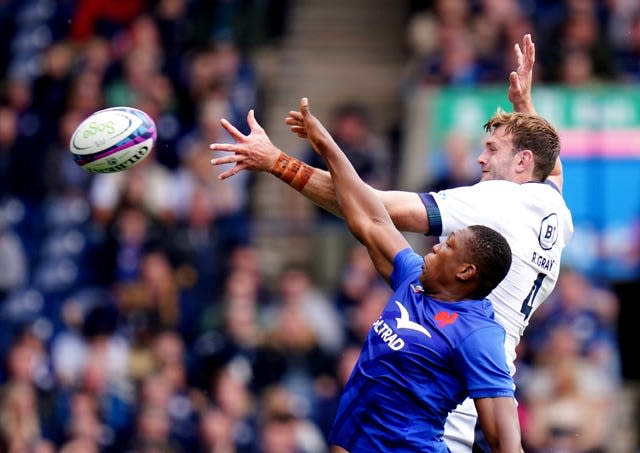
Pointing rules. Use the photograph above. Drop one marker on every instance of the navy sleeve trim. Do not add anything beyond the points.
(433, 214)
(552, 184)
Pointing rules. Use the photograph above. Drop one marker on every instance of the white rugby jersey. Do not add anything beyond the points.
(536, 222)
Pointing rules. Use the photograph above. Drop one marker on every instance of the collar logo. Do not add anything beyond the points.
(403, 322)
(444, 318)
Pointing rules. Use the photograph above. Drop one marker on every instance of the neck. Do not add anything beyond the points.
(448, 295)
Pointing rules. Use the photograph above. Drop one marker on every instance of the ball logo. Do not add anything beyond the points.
(548, 234)
(130, 162)
(94, 127)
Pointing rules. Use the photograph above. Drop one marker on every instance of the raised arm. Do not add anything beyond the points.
(519, 92)
(364, 213)
(521, 80)
(498, 418)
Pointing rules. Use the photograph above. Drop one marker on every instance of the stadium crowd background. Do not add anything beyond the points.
(135, 313)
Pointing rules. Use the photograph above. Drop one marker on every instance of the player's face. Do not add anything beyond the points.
(498, 158)
(443, 263)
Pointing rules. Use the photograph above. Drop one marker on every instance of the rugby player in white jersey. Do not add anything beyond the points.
(519, 195)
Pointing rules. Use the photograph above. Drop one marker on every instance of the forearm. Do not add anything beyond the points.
(313, 183)
(525, 106)
(556, 174)
(319, 190)
(499, 420)
(405, 208)
(357, 200)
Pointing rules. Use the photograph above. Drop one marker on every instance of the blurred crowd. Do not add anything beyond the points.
(578, 42)
(134, 312)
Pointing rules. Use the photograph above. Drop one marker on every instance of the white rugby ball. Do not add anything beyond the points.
(113, 139)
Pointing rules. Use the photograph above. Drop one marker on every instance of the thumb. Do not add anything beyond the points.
(252, 122)
(304, 107)
(513, 79)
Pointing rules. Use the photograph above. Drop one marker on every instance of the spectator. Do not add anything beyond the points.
(589, 312)
(299, 293)
(459, 168)
(356, 277)
(628, 51)
(216, 433)
(580, 33)
(229, 391)
(20, 426)
(94, 17)
(229, 203)
(353, 130)
(283, 428)
(570, 400)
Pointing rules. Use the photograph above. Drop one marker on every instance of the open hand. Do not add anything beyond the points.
(521, 79)
(253, 152)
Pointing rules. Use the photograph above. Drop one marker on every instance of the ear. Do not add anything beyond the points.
(524, 162)
(467, 271)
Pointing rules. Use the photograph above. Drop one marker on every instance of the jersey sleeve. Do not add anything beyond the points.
(406, 266)
(481, 359)
(450, 209)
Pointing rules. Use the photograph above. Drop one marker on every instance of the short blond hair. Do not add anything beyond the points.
(531, 132)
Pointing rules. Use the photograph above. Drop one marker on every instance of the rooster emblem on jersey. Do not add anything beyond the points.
(444, 318)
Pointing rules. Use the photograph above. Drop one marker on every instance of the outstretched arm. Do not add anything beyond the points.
(365, 214)
(256, 152)
(499, 420)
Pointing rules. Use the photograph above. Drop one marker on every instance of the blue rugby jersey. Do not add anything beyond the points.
(421, 358)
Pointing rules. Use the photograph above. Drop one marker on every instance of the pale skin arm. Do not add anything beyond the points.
(521, 80)
(499, 420)
(519, 92)
(255, 152)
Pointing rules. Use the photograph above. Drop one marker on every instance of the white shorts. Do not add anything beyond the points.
(459, 430)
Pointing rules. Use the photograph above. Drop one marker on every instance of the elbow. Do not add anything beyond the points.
(357, 228)
(364, 229)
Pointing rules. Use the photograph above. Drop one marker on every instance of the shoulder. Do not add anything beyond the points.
(485, 196)
(406, 266)
(494, 188)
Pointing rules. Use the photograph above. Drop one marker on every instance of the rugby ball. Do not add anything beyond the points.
(113, 139)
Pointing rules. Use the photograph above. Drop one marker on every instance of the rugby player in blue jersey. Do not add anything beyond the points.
(435, 343)
(519, 195)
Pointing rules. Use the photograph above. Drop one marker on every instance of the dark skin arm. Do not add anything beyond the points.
(363, 211)
(499, 420)
(369, 221)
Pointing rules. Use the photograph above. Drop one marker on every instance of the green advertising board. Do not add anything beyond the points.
(594, 110)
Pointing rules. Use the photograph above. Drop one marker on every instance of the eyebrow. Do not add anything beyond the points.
(451, 237)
